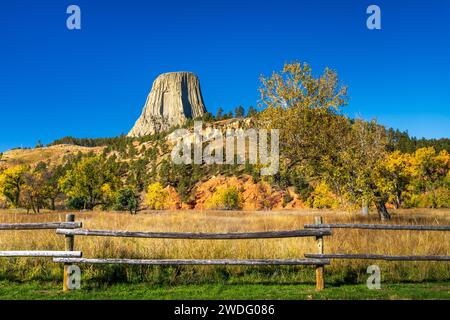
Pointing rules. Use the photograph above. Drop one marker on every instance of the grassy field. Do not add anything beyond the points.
(345, 277)
(52, 291)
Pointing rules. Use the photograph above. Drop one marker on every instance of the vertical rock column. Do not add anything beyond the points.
(174, 98)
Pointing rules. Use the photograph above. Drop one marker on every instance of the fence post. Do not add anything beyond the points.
(69, 247)
(320, 282)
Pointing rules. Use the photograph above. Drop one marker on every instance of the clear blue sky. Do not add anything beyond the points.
(94, 82)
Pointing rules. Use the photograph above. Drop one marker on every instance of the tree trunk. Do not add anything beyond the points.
(53, 204)
(382, 210)
(17, 198)
(365, 208)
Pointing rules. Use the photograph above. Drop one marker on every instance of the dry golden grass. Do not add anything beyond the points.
(342, 241)
(53, 154)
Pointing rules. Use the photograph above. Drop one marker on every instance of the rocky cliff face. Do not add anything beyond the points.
(174, 97)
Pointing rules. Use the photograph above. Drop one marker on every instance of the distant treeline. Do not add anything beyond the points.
(399, 140)
(92, 142)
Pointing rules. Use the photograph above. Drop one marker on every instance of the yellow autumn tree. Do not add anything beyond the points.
(323, 197)
(225, 199)
(393, 176)
(12, 181)
(156, 197)
(429, 170)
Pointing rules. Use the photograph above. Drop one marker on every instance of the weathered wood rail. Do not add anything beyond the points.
(199, 236)
(376, 257)
(378, 227)
(42, 253)
(248, 262)
(40, 226)
(368, 256)
(69, 225)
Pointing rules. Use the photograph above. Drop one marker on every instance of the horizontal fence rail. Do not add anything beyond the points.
(42, 226)
(190, 235)
(251, 262)
(37, 253)
(376, 257)
(378, 227)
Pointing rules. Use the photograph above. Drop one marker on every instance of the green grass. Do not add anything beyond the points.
(52, 291)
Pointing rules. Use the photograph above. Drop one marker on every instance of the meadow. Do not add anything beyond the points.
(339, 272)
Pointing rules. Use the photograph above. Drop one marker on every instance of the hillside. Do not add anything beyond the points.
(52, 154)
(147, 159)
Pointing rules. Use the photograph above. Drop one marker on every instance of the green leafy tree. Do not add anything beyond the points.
(33, 192)
(316, 140)
(358, 168)
(252, 112)
(219, 113)
(49, 176)
(225, 199)
(207, 117)
(239, 112)
(305, 110)
(137, 173)
(92, 179)
(127, 200)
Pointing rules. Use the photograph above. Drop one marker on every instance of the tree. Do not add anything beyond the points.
(395, 175)
(12, 181)
(360, 166)
(239, 112)
(219, 114)
(49, 176)
(429, 171)
(33, 191)
(127, 200)
(322, 197)
(228, 115)
(305, 110)
(207, 117)
(92, 179)
(225, 199)
(156, 197)
(252, 112)
(316, 141)
(137, 173)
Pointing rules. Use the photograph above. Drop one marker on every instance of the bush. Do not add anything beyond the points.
(287, 198)
(440, 198)
(127, 200)
(77, 203)
(156, 197)
(225, 199)
(322, 197)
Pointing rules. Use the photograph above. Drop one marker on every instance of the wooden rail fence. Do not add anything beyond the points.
(69, 229)
(377, 256)
(41, 226)
(317, 233)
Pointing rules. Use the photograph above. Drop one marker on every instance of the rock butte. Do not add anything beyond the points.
(174, 98)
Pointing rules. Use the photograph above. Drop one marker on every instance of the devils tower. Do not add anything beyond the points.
(174, 98)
